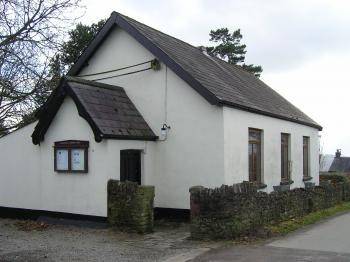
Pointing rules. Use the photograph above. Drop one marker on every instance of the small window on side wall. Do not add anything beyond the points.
(71, 156)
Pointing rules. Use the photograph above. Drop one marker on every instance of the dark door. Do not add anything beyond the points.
(130, 165)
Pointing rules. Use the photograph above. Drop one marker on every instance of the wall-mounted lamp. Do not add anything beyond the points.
(164, 132)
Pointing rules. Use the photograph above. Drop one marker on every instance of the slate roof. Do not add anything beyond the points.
(217, 81)
(107, 109)
(340, 164)
(326, 162)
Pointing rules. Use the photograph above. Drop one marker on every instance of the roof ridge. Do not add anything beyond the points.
(178, 39)
(208, 57)
(92, 83)
(236, 66)
(192, 46)
(219, 82)
(225, 68)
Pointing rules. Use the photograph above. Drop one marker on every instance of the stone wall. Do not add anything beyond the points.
(232, 211)
(130, 206)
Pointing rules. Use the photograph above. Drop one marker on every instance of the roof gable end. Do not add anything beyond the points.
(218, 82)
(117, 19)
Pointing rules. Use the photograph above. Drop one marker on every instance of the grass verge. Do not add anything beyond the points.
(286, 227)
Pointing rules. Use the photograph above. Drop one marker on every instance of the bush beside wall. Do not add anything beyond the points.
(334, 178)
(233, 211)
(130, 206)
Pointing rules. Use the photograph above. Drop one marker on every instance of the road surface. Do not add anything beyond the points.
(326, 241)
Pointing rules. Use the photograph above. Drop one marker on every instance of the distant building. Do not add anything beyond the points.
(335, 164)
(326, 162)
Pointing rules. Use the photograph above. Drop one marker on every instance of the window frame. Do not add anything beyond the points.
(306, 148)
(70, 145)
(258, 142)
(285, 177)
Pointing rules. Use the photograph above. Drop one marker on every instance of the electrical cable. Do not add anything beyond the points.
(118, 69)
(129, 73)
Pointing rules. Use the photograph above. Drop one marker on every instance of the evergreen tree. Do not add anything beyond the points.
(78, 39)
(229, 48)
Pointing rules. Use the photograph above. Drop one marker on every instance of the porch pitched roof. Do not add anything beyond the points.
(108, 110)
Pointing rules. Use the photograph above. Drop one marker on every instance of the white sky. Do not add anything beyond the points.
(303, 46)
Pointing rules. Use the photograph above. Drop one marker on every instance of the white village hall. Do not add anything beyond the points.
(143, 106)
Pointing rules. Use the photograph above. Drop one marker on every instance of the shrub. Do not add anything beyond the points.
(334, 178)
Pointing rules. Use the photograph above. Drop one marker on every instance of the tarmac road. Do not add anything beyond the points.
(325, 241)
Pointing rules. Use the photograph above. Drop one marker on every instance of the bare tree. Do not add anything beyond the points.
(30, 33)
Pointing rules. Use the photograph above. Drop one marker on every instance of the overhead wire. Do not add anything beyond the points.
(129, 73)
(115, 70)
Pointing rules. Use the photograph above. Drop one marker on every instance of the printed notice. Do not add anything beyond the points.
(62, 159)
(78, 159)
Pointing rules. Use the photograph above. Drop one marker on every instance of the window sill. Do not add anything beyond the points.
(286, 182)
(307, 178)
(71, 172)
(281, 188)
(309, 185)
(261, 185)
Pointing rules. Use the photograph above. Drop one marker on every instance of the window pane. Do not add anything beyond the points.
(78, 159)
(305, 156)
(250, 152)
(62, 159)
(254, 135)
(284, 156)
(257, 163)
(254, 154)
(254, 163)
(305, 166)
(285, 162)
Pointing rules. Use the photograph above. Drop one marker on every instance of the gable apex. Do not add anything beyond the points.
(117, 19)
(220, 83)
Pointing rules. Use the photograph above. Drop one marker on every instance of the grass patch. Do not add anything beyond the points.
(288, 226)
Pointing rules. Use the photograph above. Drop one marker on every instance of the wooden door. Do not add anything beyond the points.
(130, 165)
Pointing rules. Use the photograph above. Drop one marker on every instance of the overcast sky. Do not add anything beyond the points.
(303, 46)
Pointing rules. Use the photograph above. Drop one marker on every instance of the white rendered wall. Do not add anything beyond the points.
(20, 178)
(193, 153)
(236, 125)
(32, 183)
(207, 145)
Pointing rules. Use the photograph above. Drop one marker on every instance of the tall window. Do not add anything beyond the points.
(285, 176)
(254, 149)
(306, 157)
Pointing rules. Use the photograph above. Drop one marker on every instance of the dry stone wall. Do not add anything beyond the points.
(130, 206)
(233, 211)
